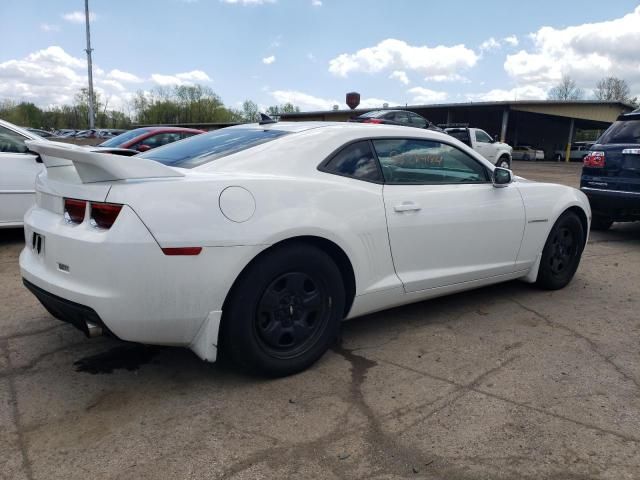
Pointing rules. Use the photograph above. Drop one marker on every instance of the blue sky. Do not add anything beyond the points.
(311, 52)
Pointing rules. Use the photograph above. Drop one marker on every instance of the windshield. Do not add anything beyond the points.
(207, 147)
(124, 137)
(622, 131)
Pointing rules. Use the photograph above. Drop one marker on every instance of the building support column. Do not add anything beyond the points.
(448, 116)
(505, 123)
(567, 156)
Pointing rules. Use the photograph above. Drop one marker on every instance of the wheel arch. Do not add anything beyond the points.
(332, 249)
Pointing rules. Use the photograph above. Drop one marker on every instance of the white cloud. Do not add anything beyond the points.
(316, 3)
(303, 100)
(489, 44)
(585, 52)
(376, 103)
(125, 77)
(400, 76)
(269, 60)
(185, 78)
(79, 17)
(426, 95)
(53, 77)
(511, 40)
(527, 92)
(395, 54)
(248, 2)
(49, 27)
(310, 102)
(454, 77)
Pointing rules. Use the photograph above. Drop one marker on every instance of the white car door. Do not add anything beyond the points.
(447, 222)
(18, 170)
(485, 146)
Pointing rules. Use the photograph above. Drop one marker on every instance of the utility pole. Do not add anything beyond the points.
(92, 118)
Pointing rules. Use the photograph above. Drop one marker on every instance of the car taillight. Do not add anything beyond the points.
(594, 160)
(104, 214)
(74, 210)
(372, 120)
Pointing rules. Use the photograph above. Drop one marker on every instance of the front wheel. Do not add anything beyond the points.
(503, 162)
(562, 252)
(284, 312)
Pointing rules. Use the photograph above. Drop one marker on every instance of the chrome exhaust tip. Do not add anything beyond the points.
(93, 330)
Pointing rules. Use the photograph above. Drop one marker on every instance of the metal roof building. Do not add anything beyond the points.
(545, 124)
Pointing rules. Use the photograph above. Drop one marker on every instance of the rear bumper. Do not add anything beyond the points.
(121, 280)
(80, 316)
(616, 204)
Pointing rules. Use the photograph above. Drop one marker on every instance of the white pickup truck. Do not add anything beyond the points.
(496, 152)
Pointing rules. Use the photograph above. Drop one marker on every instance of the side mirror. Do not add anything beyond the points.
(143, 148)
(496, 139)
(501, 177)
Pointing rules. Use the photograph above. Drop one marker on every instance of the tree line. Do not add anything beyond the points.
(162, 105)
(608, 89)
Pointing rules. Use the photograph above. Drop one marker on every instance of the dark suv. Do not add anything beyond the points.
(611, 173)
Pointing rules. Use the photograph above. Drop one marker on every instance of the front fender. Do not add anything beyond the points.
(544, 203)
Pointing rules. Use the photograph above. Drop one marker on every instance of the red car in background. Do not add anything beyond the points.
(146, 138)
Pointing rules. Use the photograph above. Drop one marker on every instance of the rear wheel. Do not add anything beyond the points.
(601, 222)
(561, 253)
(285, 311)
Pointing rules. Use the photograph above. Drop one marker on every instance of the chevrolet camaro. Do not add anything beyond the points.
(256, 241)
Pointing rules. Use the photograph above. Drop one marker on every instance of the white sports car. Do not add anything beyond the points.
(259, 239)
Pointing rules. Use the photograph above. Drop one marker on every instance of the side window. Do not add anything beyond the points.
(417, 120)
(356, 161)
(483, 137)
(11, 142)
(426, 162)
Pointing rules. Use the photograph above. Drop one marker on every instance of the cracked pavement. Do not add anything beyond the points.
(497, 383)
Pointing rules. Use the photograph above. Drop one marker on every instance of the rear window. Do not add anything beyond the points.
(462, 135)
(374, 114)
(207, 147)
(622, 131)
(124, 137)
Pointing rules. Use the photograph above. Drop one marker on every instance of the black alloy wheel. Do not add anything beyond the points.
(562, 252)
(291, 314)
(284, 311)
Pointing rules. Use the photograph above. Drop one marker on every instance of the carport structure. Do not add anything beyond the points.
(544, 124)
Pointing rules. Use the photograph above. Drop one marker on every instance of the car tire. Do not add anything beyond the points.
(503, 162)
(601, 223)
(284, 312)
(561, 253)
(526, 158)
(558, 157)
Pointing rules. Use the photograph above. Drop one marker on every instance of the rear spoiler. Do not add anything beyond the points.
(94, 166)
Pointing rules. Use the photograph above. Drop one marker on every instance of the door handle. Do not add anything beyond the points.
(407, 207)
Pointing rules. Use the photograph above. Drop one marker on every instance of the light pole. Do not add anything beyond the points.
(92, 119)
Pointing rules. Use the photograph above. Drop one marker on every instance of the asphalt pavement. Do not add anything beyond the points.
(504, 382)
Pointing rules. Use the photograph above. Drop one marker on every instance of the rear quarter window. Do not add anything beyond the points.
(622, 131)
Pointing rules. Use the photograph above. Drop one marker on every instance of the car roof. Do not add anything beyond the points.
(20, 130)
